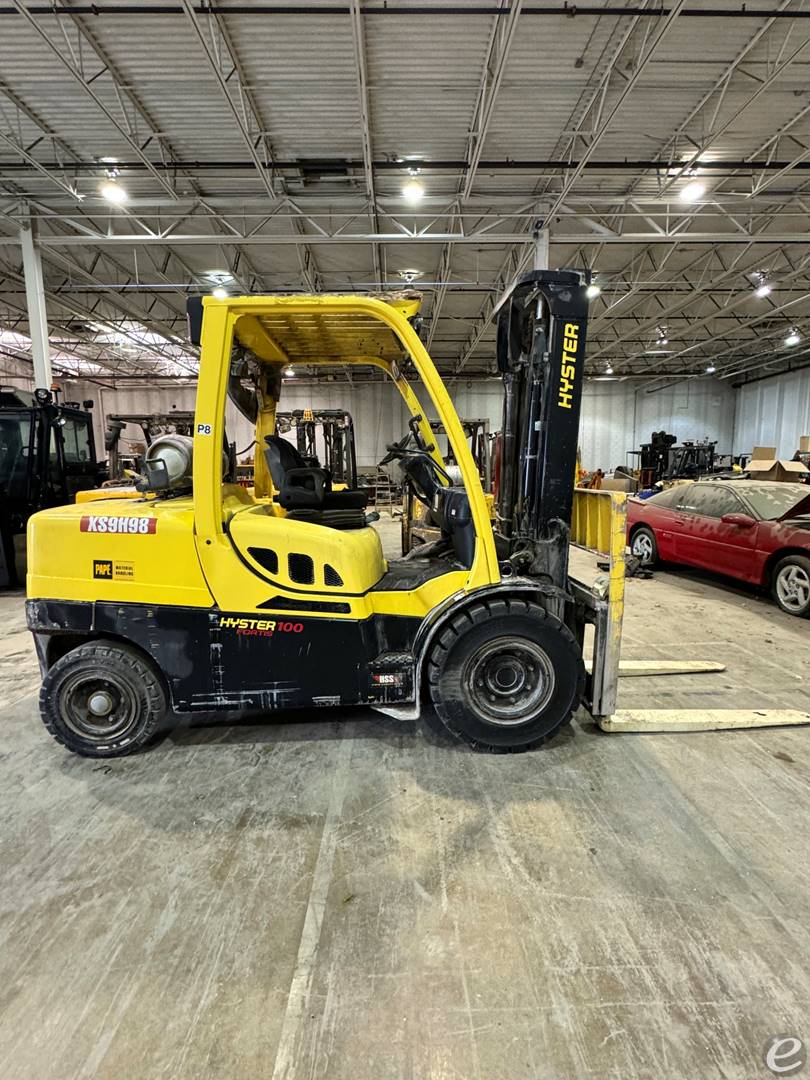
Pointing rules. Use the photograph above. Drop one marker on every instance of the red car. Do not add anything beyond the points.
(753, 530)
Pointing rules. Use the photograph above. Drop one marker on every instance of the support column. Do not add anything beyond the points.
(37, 316)
(541, 241)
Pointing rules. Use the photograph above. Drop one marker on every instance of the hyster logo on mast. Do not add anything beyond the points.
(568, 367)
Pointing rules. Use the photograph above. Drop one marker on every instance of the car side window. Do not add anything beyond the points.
(667, 499)
(710, 500)
(687, 501)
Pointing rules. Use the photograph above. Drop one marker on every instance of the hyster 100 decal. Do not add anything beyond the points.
(109, 523)
(568, 367)
(258, 627)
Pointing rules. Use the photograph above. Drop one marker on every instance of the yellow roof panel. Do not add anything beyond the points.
(322, 329)
(331, 338)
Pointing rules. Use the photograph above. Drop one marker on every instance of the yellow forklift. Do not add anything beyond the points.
(202, 595)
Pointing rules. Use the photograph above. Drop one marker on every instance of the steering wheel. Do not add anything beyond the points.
(421, 470)
(396, 449)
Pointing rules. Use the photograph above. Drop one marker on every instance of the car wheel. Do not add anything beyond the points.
(644, 547)
(505, 675)
(102, 699)
(791, 585)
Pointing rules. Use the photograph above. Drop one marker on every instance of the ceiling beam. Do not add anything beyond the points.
(685, 239)
(360, 66)
(68, 62)
(500, 44)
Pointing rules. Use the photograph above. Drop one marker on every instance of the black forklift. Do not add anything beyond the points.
(47, 454)
(661, 459)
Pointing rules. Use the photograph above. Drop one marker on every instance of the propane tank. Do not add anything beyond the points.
(177, 454)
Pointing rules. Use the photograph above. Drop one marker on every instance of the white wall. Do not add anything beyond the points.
(773, 412)
(616, 416)
(378, 410)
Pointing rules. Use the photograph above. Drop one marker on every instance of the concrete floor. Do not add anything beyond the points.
(349, 898)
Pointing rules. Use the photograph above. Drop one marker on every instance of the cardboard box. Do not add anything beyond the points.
(804, 444)
(619, 483)
(763, 453)
(773, 469)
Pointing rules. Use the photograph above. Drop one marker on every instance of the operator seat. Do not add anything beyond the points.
(306, 491)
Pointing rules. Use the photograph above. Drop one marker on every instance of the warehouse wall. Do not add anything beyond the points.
(773, 412)
(616, 416)
(378, 410)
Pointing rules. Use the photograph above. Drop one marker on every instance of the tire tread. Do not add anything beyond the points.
(141, 667)
(477, 614)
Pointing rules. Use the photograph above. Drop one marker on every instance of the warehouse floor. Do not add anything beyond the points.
(348, 897)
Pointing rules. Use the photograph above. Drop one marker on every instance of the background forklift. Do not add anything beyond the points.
(204, 596)
(47, 455)
(324, 437)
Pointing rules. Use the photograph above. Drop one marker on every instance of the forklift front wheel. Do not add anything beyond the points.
(505, 675)
(102, 699)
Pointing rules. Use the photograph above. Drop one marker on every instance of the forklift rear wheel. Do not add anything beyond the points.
(644, 547)
(102, 699)
(505, 675)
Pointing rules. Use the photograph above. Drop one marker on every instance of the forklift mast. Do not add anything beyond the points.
(542, 324)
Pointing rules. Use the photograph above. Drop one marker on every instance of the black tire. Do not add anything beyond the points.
(504, 675)
(790, 585)
(644, 538)
(135, 698)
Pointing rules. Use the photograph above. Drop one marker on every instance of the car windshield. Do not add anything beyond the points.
(775, 500)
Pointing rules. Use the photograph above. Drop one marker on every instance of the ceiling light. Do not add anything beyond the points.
(108, 160)
(793, 338)
(592, 291)
(113, 192)
(710, 369)
(413, 191)
(692, 192)
(219, 293)
(609, 369)
(763, 290)
(289, 371)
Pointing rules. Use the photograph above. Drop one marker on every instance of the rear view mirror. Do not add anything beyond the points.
(742, 521)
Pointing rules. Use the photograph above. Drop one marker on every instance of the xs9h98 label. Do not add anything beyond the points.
(119, 525)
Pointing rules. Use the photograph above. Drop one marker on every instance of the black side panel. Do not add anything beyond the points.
(215, 660)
